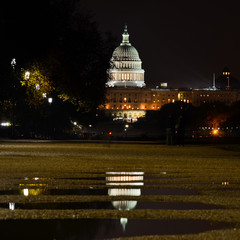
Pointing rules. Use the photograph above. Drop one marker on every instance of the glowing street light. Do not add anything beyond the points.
(215, 132)
(27, 75)
(50, 100)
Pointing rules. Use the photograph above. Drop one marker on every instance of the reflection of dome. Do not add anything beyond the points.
(126, 66)
(124, 179)
(124, 192)
(124, 205)
(123, 222)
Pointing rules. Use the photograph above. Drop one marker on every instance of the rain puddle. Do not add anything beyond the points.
(85, 229)
(120, 205)
(114, 184)
(92, 191)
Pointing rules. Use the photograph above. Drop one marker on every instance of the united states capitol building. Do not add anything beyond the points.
(128, 98)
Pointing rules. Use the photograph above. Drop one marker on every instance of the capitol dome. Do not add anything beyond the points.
(125, 65)
(125, 53)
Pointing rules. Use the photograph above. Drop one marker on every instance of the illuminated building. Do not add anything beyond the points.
(126, 66)
(127, 97)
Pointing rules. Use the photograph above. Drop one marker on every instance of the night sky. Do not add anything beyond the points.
(179, 42)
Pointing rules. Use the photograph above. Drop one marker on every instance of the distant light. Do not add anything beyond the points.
(36, 178)
(25, 192)
(164, 84)
(215, 132)
(90, 125)
(44, 95)
(5, 124)
(13, 63)
(75, 123)
(27, 75)
(110, 133)
(126, 126)
(50, 100)
(37, 87)
(225, 183)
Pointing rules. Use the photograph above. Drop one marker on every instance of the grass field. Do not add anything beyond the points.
(212, 171)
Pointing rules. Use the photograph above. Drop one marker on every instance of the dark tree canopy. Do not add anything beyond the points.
(59, 35)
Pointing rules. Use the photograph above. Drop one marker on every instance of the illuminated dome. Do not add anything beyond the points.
(126, 66)
(125, 53)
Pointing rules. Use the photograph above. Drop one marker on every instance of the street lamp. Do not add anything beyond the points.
(50, 100)
(27, 75)
(13, 63)
(13, 100)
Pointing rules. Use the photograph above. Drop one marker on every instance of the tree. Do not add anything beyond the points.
(65, 41)
(64, 52)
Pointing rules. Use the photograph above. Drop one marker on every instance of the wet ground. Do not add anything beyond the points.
(112, 184)
(98, 191)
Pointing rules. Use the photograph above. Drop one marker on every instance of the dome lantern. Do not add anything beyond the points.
(125, 37)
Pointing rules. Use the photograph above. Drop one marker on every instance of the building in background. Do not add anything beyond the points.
(128, 98)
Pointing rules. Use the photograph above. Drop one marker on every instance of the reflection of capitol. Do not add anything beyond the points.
(120, 179)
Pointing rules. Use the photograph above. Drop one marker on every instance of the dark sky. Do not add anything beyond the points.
(179, 42)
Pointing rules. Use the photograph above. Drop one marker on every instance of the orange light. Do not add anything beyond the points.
(215, 131)
(110, 133)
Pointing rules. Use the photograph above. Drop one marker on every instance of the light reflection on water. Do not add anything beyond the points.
(124, 179)
(117, 184)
